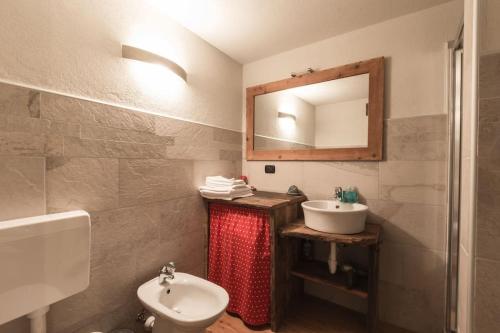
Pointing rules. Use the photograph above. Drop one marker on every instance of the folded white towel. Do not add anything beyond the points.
(218, 187)
(221, 181)
(230, 192)
(222, 188)
(224, 197)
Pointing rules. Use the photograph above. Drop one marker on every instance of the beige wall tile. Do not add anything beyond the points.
(489, 76)
(489, 110)
(28, 144)
(230, 155)
(181, 217)
(488, 229)
(68, 109)
(37, 126)
(22, 185)
(417, 139)
(146, 181)
(412, 267)
(489, 129)
(412, 224)
(82, 183)
(488, 175)
(128, 244)
(100, 148)
(185, 133)
(186, 252)
(410, 308)
(114, 134)
(223, 135)
(321, 178)
(18, 101)
(416, 151)
(417, 182)
(123, 316)
(121, 230)
(188, 152)
(487, 296)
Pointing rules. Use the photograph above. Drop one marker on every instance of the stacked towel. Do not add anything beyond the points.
(218, 187)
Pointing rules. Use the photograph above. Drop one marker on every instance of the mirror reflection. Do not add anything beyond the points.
(330, 114)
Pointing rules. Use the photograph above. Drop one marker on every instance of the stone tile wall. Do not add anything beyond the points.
(487, 243)
(407, 194)
(136, 174)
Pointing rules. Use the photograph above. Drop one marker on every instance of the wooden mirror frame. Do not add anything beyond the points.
(373, 67)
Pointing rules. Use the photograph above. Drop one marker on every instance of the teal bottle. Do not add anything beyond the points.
(350, 194)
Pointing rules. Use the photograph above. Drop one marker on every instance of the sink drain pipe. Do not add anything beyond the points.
(332, 259)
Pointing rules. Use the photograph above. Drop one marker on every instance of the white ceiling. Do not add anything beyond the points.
(334, 91)
(248, 30)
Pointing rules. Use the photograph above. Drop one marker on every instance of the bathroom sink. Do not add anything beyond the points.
(335, 217)
(185, 304)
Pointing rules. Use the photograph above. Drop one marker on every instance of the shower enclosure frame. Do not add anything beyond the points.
(455, 107)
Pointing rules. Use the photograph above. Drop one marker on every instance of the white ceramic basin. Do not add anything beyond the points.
(334, 217)
(185, 304)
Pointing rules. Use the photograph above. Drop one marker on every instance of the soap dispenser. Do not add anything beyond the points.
(350, 194)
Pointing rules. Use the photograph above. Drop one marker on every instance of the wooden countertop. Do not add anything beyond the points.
(370, 236)
(263, 200)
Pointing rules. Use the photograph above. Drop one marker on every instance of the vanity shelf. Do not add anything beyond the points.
(317, 271)
(370, 236)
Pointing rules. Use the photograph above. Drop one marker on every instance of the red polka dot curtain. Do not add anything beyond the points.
(240, 260)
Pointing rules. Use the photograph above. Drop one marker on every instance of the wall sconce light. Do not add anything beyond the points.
(130, 52)
(287, 116)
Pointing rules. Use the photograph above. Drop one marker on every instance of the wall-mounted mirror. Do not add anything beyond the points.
(334, 114)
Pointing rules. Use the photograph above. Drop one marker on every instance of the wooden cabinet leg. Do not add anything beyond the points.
(372, 315)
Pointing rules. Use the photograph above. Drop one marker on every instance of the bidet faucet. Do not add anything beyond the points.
(167, 273)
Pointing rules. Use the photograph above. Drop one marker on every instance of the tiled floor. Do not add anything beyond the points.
(313, 316)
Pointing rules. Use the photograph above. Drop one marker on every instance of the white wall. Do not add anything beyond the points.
(74, 47)
(267, 123)
(342, 124)
(413, 45)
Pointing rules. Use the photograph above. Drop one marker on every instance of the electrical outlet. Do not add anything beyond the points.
(270, 169)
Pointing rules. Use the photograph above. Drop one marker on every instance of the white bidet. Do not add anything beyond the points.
(185, 304)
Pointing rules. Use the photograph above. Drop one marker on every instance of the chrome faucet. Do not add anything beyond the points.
(167, 273)
(338, 193)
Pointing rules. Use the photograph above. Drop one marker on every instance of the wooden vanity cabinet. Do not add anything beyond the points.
(288, 271)
(283, 209)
